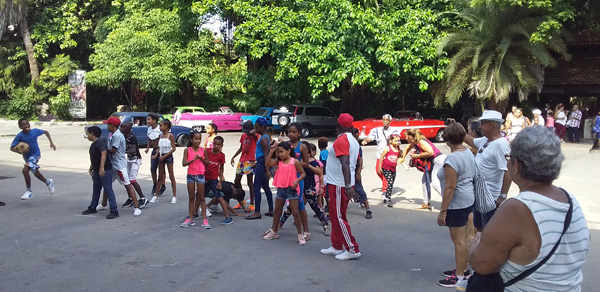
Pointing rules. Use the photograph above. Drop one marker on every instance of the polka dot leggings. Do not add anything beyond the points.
(390, 176)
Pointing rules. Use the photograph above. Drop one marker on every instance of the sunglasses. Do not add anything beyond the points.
(484, 146)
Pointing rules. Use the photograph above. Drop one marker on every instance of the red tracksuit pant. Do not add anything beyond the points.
(341, 235)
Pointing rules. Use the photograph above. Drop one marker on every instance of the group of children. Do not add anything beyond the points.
(298, 175)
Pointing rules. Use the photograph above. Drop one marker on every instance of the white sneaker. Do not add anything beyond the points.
(332, 251)
(208, 213)
(154, 199)
(347, 256)
(461, 284)
(216, 209)
(137, 212)
(174, 200)
(100, 207)
(50, 185)
(27, 195)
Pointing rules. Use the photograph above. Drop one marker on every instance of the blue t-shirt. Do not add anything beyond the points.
(259, 150)
(117, 140)
(323, 158)
(31, 139)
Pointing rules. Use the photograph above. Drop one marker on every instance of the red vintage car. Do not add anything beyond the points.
(404, 120)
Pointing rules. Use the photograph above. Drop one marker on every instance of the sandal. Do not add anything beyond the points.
(326, 231)
(250, 217)
(424, 206)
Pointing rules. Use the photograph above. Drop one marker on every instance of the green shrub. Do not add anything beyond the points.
(23, 103)
(59, 104)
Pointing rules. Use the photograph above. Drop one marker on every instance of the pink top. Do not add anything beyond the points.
(286, 175)
(390, 161)
(436, 151)
(550, 121)
(196, 167)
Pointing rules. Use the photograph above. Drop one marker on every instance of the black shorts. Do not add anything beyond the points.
(458, 217)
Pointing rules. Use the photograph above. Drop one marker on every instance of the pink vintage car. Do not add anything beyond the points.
(224, 118)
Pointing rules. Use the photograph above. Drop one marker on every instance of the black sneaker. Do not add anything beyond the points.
(127, 203)
(153, 188)
(449, 282)
(453, 273)
(388, 202)
(112, 215)
(142, 202)
(369, 215)
(89, 211)
(162, 191)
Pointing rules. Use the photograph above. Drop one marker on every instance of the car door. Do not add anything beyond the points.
(326, 118)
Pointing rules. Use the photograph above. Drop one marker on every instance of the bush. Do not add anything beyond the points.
(60, 104)
(23, 103)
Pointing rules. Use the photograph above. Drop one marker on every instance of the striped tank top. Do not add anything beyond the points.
(563, 271)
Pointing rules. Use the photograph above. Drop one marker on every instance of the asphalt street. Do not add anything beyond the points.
(47, 245)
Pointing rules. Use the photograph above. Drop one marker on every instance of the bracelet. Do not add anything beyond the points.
(443, 211)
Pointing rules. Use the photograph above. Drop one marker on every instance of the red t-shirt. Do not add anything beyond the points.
(248, 147)
(214, 162)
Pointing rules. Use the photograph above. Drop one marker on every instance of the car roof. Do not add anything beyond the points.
(133, 113)
(313, 105)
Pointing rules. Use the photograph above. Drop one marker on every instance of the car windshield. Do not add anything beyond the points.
(173, 111)
(118, 116)
(263, 112)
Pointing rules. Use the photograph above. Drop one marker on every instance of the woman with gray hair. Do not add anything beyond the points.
(542, 230)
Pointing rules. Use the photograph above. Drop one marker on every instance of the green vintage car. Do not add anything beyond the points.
(183, 109)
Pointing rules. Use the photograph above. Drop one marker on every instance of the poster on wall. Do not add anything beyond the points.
(78, 95)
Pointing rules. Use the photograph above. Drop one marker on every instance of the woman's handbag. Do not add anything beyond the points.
(484, 201)
(494, 282)
(420, 163)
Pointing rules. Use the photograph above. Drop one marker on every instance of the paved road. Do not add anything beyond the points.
(45, 245)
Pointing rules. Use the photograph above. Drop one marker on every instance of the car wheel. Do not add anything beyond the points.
(198, 128)
(283, 120)
(438, 136)
(306, 130)
(183, 140)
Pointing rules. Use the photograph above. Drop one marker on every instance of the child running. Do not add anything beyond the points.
(193, 158)
(287, 183)
(314, 173)
(387, 165)
(31, 155)
(360, 190)
(166, 147)
(214, 174)
(247, 162)
(101, 173)
(211, 132)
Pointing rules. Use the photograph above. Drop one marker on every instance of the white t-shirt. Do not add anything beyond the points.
(345, 144)
(463, 162)
(153, 133)
(561, 118)
(381, 136)
(491, 162)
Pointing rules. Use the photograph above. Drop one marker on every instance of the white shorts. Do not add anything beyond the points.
(133, 166)
(121, 176)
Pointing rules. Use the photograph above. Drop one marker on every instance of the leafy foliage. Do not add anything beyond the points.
(494, 56)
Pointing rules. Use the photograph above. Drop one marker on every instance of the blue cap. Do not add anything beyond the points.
(262, 121)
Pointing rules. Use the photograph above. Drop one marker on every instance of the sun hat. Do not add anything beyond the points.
(537, 111)
(345, 120)
(491, 115)
(113, 121)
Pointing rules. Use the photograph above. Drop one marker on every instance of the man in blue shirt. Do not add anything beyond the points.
(31, 156)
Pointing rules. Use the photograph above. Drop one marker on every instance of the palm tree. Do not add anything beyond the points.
(14, 14)
(493, 55)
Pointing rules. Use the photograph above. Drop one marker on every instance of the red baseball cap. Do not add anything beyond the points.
(345, 120)
(113, 121)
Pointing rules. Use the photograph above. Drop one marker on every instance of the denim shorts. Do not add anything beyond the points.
(195, 178)
(287, 193)
(168, 159)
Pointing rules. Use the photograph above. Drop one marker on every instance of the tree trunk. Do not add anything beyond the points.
(33, 64)
(187, 92)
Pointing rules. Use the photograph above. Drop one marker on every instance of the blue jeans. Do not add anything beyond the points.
(105, 182)
(211, 186)
(261, 181)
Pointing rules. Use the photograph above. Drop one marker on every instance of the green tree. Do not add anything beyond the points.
(13, 14)
(493, 56)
